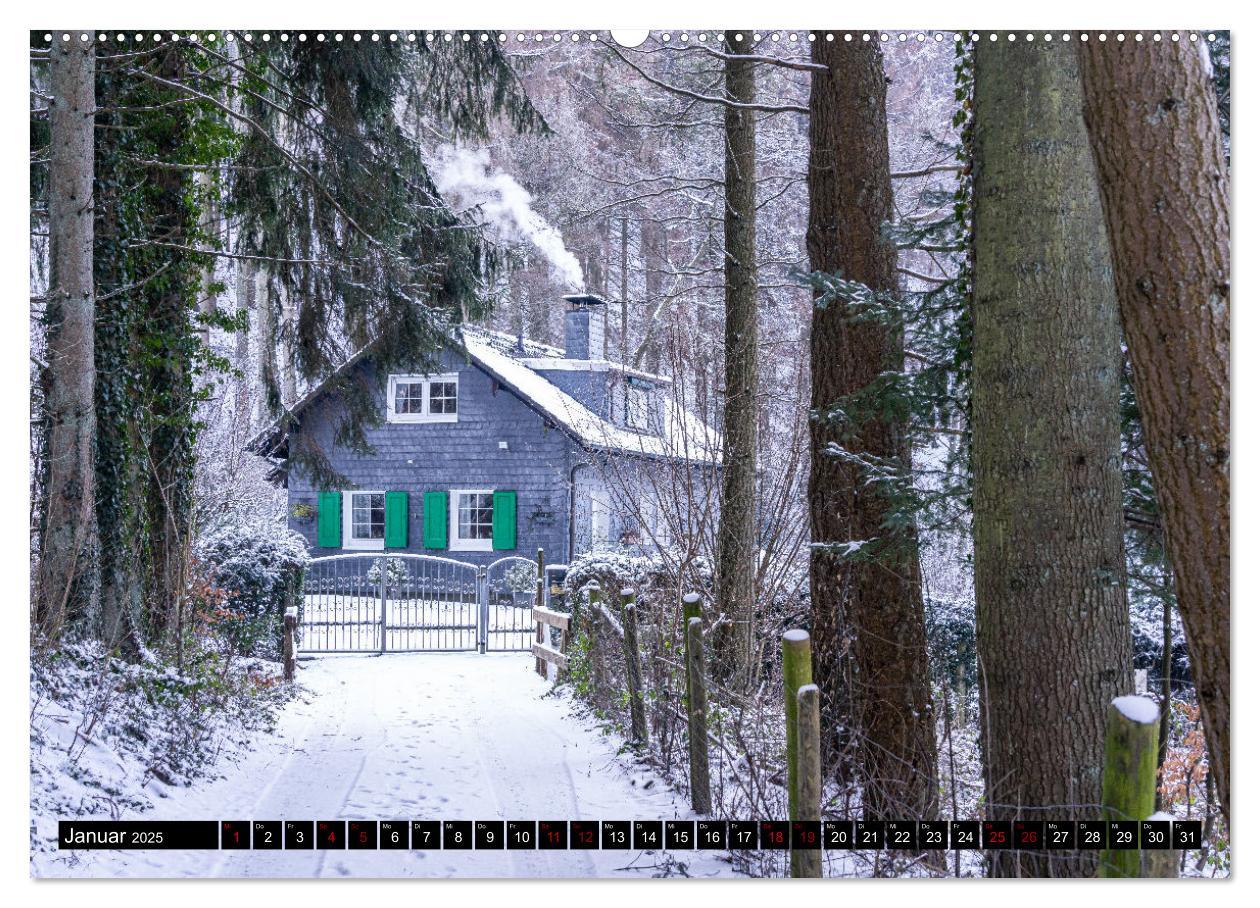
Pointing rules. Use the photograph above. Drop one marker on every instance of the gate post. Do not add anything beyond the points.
(384, 572)
(483, 609)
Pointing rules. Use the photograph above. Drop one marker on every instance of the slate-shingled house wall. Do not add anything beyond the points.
(534, 429)
(467, 454)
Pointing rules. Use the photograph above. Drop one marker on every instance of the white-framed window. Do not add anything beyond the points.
(423, 398)
(655, 521)
(363, 520)
(472, 520)
(638, 407)
(601, 520)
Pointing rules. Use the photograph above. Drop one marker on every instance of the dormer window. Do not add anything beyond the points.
(423, 398)
(639, 406)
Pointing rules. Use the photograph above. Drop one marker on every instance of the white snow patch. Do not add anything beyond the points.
(691, 598)
(796, 635)
(416, 736)
(1137, 709)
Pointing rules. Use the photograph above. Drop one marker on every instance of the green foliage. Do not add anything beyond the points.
(1219, 52)
(332, 188)
(928, 396)
(153, 366)
(304, 151)
(951, 640)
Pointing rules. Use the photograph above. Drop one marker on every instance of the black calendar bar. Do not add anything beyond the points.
(128, 835)
(628, 835)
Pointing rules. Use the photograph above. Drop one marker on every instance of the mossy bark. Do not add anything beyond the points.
(1151, 111)
(797, 672)
(737, 531)
(1051, 620)
(67, 575)
(1128, 785)
(867, 616)
(697, 720)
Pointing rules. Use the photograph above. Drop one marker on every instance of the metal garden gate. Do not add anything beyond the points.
(414, 603)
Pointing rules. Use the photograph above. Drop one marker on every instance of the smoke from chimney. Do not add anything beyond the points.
(466, 180)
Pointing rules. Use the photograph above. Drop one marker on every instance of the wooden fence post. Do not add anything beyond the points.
(290, 642)
(1129, 771)
(599, 674)
(1161, 862)
(796, 674)
(539, 665)
(634, 671)
(807, 862)
(697, 719)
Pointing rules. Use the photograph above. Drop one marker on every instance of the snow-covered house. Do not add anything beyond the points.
(507, 447)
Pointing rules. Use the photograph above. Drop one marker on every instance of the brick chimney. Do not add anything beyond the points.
(584, 326)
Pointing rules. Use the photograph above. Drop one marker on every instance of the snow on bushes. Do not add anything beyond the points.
(246, 576)
(649, 575)
(108, 736)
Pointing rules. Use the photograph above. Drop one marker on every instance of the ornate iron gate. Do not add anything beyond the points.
(415, 603)
(511, 586)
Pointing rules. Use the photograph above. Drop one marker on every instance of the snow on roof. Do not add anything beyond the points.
(684, 436)
(564, 364)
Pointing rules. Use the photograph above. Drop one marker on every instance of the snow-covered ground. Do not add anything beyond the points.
(415, 736)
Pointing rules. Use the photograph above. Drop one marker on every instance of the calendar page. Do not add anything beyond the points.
(616, 454)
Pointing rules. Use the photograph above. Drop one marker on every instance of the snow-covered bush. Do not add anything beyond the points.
(108, 736)
(395, 571)
(246, 577)
(520, 577)
(649, 575)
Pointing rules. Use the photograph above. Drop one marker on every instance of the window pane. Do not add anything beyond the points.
(476, 515)
(409, 397)
(442, 397)
(367, 515)
(638, 409)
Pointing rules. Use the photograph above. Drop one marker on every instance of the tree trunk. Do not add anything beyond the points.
(1051, 620)
(624, 337)
(1165, 188)
(737, 527)
(288, 348)
(168, 456)
(246, 280)
(68, 579)
(878, 602)
(268, 381)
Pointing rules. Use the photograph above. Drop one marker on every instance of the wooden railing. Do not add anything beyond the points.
(544, 653)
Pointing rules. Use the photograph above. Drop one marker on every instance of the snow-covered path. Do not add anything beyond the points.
(448, 736)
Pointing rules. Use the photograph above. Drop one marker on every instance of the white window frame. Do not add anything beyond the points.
(393, 415)
(639, 402)
(347, 523)
(655, 522)
(601, 520)
(460, 544)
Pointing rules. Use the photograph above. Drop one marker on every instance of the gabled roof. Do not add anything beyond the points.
(517, 366)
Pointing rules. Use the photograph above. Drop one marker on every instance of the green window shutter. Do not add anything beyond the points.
(328, 532)
(396, 519)
(504, 525)
(435, 519)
